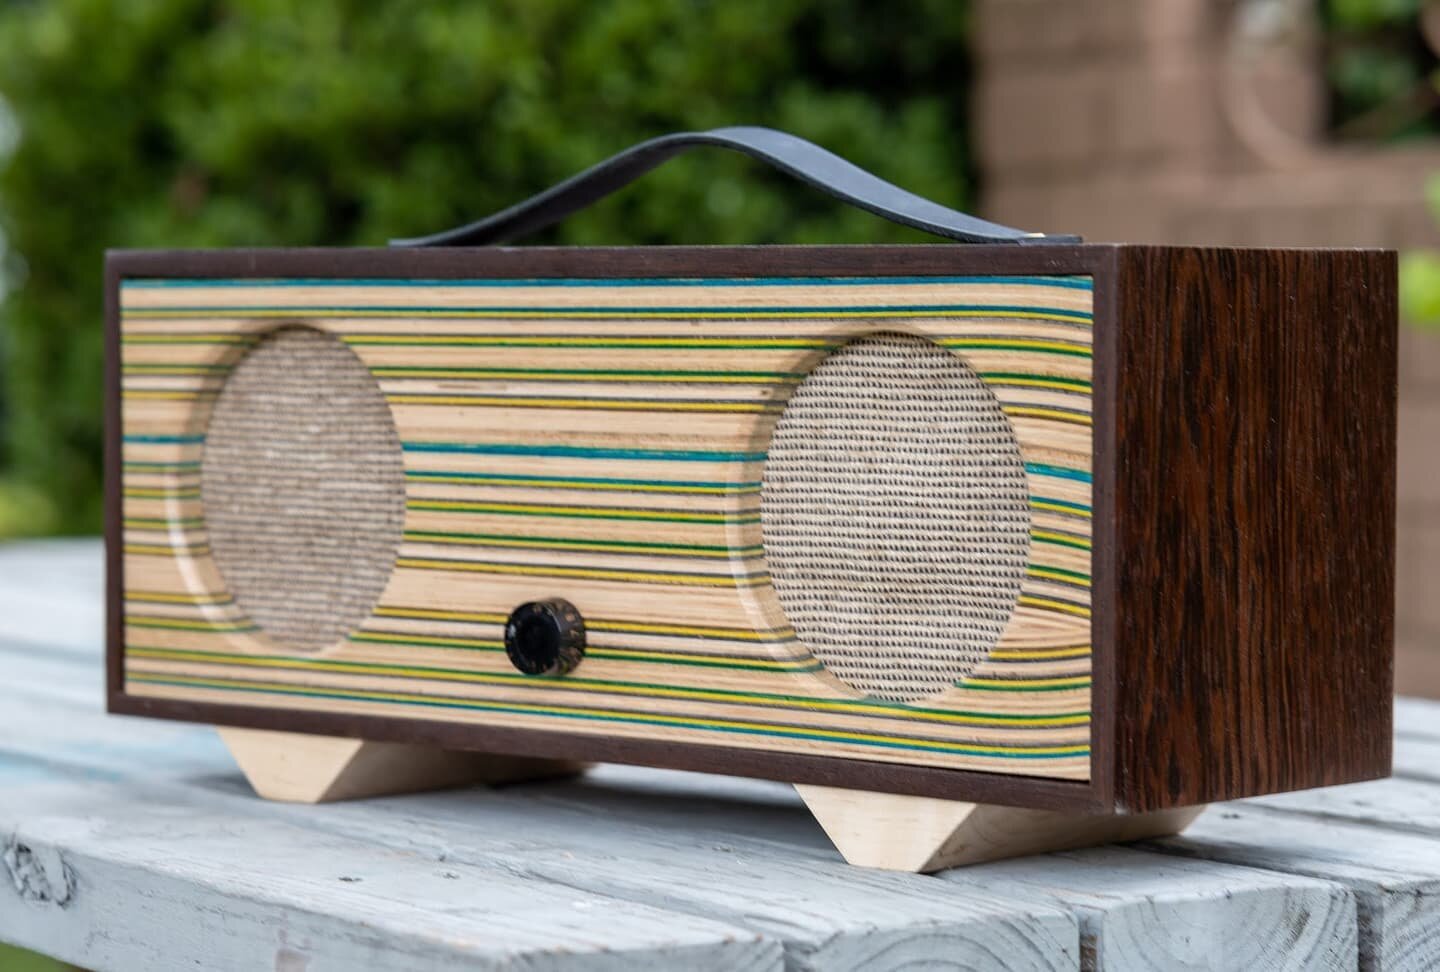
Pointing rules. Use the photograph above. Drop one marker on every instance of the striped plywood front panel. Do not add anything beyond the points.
(604, 441)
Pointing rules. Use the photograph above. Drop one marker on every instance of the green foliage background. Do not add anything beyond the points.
(202, 123)
(1380, 69)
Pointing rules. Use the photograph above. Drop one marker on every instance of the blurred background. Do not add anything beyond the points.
(211, 123)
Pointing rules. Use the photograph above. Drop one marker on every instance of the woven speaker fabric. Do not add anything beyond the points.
(896, 517)
(303, 487)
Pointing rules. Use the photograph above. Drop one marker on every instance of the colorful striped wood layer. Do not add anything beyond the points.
(604, 441)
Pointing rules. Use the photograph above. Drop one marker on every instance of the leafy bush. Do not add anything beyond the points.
(188, 123)
(1420, 273)
(1381, 69)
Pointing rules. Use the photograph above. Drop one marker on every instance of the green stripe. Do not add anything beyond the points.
(970, 344)
(401, 371)
(698, 659)
(1026, 685)
(593, 513)
(1062, 539)
(1078, 577)
(837, 736)
(179, 624)
(145, 283)
(582, 452)
(1080, 509)
(568, 543)
(564, 482)
(880, 707)
(1000, 377)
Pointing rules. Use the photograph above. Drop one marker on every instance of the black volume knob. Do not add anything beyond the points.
(545, 637)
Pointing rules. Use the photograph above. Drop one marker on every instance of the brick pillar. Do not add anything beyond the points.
(1120, 120)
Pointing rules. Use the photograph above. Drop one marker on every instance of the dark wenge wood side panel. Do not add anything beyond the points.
(1254, 511)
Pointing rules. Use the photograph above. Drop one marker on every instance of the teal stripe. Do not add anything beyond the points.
(1067, 504)
(1072, 283)
(423, 474)
(140, 313)
(1058, 472)
(165, 439)
(582, 452)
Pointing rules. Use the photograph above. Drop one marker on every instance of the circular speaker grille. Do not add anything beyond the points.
(896, 516)
(303, 487)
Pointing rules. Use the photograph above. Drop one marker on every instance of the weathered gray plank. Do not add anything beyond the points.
(1417, 717)
(1396, 804)
(1417, 757)
(76, 743)
(1395, 877)
(102, 877)
(634, 834)
(1141, 911)
(51, 593)
(740, 853)
(825, 916)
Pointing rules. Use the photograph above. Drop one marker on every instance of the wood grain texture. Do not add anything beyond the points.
(1394, 877)
(624, 833)
(86, 879)
(300, 768)
(545, 423)
(1209, 654)
(1254, 505)
(1139, 912)
(925, 835)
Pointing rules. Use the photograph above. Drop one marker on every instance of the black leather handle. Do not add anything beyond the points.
(804, 160)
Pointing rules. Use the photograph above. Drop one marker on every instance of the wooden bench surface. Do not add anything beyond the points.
(133, 844)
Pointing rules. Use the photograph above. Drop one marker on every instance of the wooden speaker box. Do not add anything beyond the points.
(987, 547)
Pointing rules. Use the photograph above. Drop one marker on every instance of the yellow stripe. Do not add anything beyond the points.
(170, 396)
(1059, 383)
(1060, 538)
(1025, 655)
(616, 654)
(678, 721)
(582, 484)
(182, 625)
(656, 691)
(1056, 508)
(523, 543)
(164, 597)
(632, 627)
(1015, 342)
(718, 378)
(584, 340)
(164, 550)
(1078, 681)
(605, 511)
(1029, 600)
(188, 338)
(588, 573)
(341, 313)
(1058, 575)
(1055, 414)
(583, 403)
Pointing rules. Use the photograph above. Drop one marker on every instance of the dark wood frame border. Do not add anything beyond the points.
(1098, 261)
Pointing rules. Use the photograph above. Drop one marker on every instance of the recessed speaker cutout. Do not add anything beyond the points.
(303, 486)
(896, 516)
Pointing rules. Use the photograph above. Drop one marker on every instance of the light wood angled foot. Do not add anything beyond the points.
(922, 834)
(300, 768)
